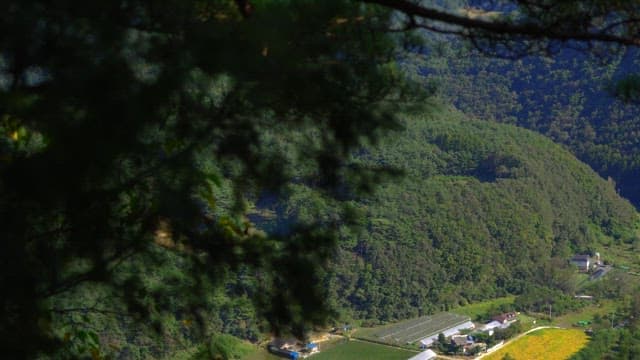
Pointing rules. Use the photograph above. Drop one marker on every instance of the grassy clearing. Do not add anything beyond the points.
(548, 344)
(481, 309)
(623, 255)
(231, 346)
(586, 313)
(262, 354)
(581, 280)
(529, 322)
(355, 349)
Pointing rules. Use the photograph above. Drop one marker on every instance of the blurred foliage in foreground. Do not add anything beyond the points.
(130, 126)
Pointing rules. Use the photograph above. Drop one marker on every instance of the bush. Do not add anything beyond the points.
(227, 347)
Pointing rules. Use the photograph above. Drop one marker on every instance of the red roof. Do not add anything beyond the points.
(504, 317)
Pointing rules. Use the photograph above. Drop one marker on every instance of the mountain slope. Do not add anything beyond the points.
(483, 209)
(567, 98)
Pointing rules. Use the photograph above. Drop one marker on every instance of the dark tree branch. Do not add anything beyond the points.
(96, 273)
(503, 28)
(92, 309)
(621, 23)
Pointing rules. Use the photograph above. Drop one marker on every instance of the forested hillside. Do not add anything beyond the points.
(483, 209)
(568, 97)
(173, 173)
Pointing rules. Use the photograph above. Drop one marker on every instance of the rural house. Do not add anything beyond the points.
(505, 318)
(461, 340)
(467, 344)
(581, 261)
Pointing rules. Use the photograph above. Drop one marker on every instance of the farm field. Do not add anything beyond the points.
(549, 344)
(355, 349)
(261, 354)
(410, 331)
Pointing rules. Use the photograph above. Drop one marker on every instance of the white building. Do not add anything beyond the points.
(428, 341)
(425, 355)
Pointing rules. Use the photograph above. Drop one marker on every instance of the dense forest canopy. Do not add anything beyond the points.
(135, 134)
(481, 211)
(570, 98)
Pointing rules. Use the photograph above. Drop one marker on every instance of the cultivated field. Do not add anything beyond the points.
(548, 344)
(355, 349)
(410, 331)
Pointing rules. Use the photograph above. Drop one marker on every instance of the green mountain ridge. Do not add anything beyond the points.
(484, 209)
(568, 98)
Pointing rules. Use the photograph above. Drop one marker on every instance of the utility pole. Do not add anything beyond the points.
(613, 315)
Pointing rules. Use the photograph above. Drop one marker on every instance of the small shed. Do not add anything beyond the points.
(459, 340)
(491, 325)
(312, 347)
